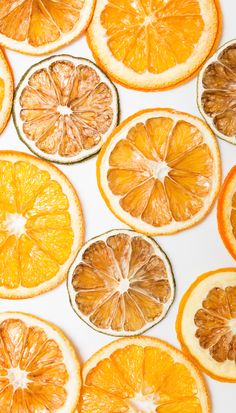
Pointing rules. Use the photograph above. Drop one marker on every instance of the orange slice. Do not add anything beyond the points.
(41, 26)
(39, 369)
(227, 212)
(41, 225)
(6, 91)
(159, 171)
(153, 45)
(206, 323)
(64, 108)
(121, 283)
(142, 374)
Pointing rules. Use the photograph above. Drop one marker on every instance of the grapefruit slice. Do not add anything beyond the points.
(6, 91)
(121, 283)
(159, 171)
(206, 323)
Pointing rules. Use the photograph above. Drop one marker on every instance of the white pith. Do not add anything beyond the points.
(143, 403)
(160, 169)
(15, 224)
(64, 110)
(18, 378)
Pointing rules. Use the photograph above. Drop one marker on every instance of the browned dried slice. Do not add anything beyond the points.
(64, 109)
(121, 283)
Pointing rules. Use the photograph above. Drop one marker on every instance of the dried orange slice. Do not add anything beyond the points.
(159, 171)
(121, 283)
(206, 323)
(227, 212)
(39, 369)
(6, 91)
(41, 225)
(64, 108)
(41, 26)
(142, 374)
(152, 45)
(216, 92)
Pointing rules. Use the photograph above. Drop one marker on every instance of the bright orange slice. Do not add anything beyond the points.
(142, 374)
(227, 212)
(206, 323)
(39, 369)
(159, 171)
(151, 45)
(6, 91)
(41, 26)
(41, 225)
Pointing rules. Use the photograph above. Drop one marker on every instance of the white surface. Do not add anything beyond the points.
(191, 252)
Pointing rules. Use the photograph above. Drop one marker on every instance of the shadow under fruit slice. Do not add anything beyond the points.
(41, 225)
(6, 91)
(121, 283)
(206, 323)
(142, 374)
(39, 369)
(64, 108)
(217, 91)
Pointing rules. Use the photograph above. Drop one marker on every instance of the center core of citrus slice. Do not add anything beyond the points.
(160, 169)
(18, 377)
(123, 286)
(143, 404)
(15, 224)
(64, 110)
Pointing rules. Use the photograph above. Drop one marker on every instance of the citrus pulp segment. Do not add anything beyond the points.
(6, 91)
(142, 374)
(206, 323)
(41, 225)
(64, 108)
(121, 283)
(39, 368)
(159, 171)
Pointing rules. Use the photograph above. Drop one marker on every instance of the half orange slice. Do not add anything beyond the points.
(6, 91)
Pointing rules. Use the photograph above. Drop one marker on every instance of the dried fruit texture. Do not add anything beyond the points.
(121, 284)
(6, 91)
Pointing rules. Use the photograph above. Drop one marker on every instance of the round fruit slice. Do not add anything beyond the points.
(64, 108)
(206, 323)
(41, 26)
(39, 369)
(6, 91)
(159, 171)
(227, 212)
(153, 45)
(121, 283)
(142, 374)
(216, 92)
(41, 225)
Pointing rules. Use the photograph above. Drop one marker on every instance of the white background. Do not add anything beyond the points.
(191, 252)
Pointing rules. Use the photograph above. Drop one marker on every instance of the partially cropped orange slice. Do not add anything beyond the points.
(41, 225)
(41, 26)
(6, 91)
(142, 374)
(39, 369)
(227, 212)
(159, 171)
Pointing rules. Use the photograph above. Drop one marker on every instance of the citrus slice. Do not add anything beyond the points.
(142, 374)
(121, 283)
(41, 225)
(6, 91)
(206, 323)
(159, 171)
(153, 45)
(64, 108)
(40, 26)
(216, 92)
(39, 369)
(227, 212)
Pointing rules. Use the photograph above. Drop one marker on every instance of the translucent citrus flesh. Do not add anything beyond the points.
(162, 171)
(2, 92)
(233, 215)
(121, 283)
(35, 226)
(216, 323)
(134, 377)
(66, 108)
(32, 370)
(218, 98)
(39, 22)
(154, 35)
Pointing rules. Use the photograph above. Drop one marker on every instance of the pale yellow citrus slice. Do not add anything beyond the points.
(41, 225)
(142, 374)
(6, 91)
(121, 283)
(159, 171)
(41, 26)
(39, 368)
(64, 108)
